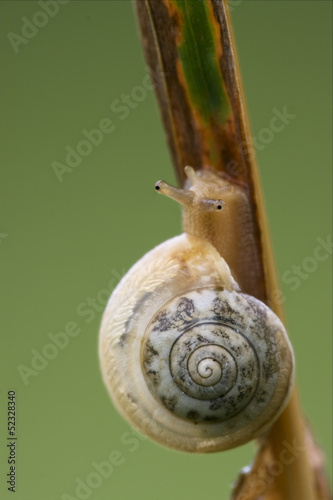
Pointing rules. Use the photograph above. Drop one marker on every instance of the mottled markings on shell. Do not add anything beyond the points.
(185, 308)
(152, 351)
(261, 397)
(162, 322)
(170, 403)
(150, 355)
(211, 418)
(131, 398)
(127, 329)
(142, 300)
(267, 368)
(123, 339)
(154, 376)
(259, 309)
(134, 310)
(184, 315)
(236, 350)
(193, 415)
(247, 371)
(203, 341)
(241, 392)
(216, 404)
(225, 312)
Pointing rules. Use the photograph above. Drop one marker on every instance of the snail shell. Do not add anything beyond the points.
(188, 359)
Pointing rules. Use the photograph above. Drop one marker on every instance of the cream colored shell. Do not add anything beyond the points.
(188, 359)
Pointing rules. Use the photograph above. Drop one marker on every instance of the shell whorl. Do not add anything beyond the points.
(198, 356)
(189, 360)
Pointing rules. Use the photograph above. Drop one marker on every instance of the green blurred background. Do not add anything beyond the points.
(64, 243)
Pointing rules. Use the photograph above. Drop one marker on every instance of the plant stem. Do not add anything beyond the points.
(297, 478)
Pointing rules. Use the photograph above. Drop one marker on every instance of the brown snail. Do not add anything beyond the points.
(188, 358)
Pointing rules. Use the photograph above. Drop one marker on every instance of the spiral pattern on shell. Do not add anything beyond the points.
(205, 369)
(205, 361)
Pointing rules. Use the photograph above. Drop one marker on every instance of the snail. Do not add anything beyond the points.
(189, 359)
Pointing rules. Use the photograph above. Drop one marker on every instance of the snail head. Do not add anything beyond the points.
(201, 191)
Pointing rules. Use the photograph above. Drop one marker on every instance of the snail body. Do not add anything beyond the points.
(230, 232)
(188, 358)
